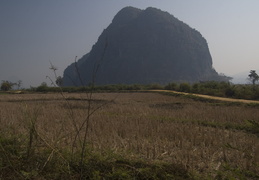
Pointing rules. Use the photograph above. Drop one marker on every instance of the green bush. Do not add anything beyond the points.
(171, 86)
(154, 86)
(230, 92)
(185, 87)
(195, 88)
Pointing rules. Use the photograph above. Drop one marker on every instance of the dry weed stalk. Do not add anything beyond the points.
(82, 128)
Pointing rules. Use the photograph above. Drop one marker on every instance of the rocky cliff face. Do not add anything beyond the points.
(142, 47)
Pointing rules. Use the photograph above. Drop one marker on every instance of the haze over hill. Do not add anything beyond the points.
(144, 46)
(242, 77)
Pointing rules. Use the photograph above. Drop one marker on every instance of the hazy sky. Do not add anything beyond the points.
(35, 32)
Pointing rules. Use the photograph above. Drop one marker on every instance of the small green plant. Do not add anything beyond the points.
(253, 126)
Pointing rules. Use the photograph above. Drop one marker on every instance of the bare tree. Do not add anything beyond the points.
(19, 84)
(59, 81)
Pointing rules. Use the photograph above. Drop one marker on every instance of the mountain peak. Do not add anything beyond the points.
(145, 46)
(125, 15)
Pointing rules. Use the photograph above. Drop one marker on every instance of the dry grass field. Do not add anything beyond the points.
(213, 140)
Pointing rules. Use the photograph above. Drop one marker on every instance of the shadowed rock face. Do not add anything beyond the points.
(142, 47)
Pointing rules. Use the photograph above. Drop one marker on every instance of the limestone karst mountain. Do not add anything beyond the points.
(142, 47)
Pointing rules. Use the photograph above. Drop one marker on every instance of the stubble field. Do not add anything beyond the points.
(206, 138)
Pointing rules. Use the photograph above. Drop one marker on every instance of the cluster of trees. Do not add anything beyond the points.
(8, 85)
(221, 89)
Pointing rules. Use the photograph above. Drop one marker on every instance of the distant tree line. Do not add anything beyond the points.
(105, 88)
(213, 88)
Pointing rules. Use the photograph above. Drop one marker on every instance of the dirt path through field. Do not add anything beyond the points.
(210, 97)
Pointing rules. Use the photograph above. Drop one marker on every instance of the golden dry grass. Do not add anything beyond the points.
(149, 126)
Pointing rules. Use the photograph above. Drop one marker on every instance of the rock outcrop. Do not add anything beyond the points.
(143, 47)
